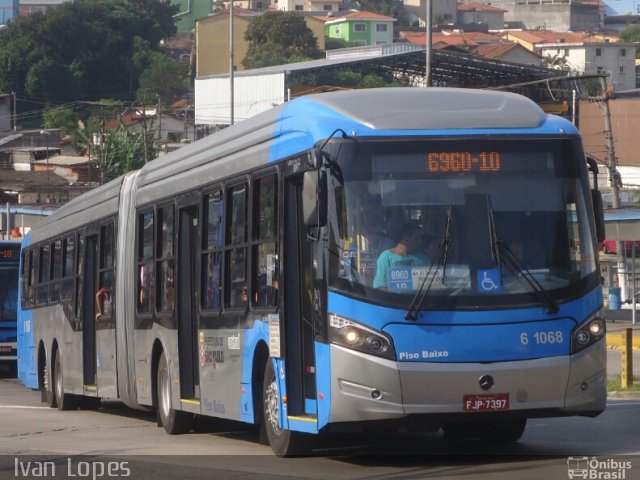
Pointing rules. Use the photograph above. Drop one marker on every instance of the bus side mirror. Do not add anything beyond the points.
(314, 198)
(598, 213)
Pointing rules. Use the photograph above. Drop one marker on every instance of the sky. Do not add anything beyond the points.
(622, 7)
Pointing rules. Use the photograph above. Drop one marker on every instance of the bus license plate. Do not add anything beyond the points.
(486, 403)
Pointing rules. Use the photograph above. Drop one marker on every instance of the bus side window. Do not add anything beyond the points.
(44, 275)
(68, 253)
(265, 274)
(105, 278)
(56, 271)
(236, 288)
(212, 244)
(146, 283)
(166, 298)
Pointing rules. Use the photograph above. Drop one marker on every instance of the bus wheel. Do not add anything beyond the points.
(175, 422)
(46, 392)
(284, 443)
(504, 432)
(64, 401)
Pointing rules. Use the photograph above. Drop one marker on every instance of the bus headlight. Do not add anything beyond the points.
(589, 332)
(349, 334)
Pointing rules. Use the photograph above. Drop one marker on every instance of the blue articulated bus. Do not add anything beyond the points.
(396, 257)
(9, 263)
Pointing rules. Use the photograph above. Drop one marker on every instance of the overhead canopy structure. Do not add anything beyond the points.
(259, 89)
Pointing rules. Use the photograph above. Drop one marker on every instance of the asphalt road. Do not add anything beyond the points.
(83, 444)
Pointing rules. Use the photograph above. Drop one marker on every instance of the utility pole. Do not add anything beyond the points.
(614, 181)
(427, 45)
(231, 64)
(15, 112)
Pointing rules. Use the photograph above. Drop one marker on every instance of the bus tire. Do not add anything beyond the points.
(175, 422)
(508, 431)
(46, 388)
(284, 443)
(65, 401)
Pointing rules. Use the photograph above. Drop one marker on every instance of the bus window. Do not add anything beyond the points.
(236, 266)
(56, 270)
(44, 275)
(213, 243)
(165, 265)
(265, 272)
(146, 284)
(68, 252)
(105, 276)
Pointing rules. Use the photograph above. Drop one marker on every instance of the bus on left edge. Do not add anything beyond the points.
(9, 264)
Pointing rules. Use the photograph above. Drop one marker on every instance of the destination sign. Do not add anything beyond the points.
(9, 252)
(447, 162)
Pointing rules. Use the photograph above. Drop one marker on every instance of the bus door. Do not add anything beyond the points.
(187, 302)
(89, 287)
(298, 314)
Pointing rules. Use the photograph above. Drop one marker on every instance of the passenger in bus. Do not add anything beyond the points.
(103, 299)
(407, 252)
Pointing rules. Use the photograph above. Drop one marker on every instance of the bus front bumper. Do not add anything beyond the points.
(367, 388)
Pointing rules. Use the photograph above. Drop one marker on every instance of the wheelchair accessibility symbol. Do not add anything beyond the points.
(489, 281)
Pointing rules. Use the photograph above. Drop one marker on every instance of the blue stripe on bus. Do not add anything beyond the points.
(323, 382)
(27, 371)
(453, 336)
(294, 134)
(252, 337)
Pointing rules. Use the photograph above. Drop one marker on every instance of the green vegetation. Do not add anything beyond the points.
(277, 38)
(82, 50)
(631, 34)
(615, 385)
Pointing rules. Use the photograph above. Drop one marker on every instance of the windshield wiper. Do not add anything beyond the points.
(501, 251)
(415, 307)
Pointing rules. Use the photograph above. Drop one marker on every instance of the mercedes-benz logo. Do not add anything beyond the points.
(486, 382)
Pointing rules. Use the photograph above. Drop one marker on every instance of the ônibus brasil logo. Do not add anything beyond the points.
(594, 468)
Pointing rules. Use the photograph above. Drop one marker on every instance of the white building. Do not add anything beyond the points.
(308, 5)
(616, 58)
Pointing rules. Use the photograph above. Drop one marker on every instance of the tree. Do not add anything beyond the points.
(278, 37)
(556, 62)
(631, 34)
(116, 152)
(163, 78)
(82, 49)
(62, 118)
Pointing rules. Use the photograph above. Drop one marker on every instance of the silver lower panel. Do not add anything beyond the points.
(366, 388)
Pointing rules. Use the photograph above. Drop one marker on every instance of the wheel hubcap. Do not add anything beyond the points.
(271, 406)
(165, 400)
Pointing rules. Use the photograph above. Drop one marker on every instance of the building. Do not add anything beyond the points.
(324, 6)
(443, 12)
(212, 40)
(625, 118)
(558, 15)
(33, 6)
(361, 28)
(473, 13)
(618, 59)
(8, 10)
(507, 52)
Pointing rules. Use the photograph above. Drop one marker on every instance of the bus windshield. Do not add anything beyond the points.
(8, 294)
(470, 221)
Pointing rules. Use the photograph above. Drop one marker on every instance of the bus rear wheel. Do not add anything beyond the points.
(65, 401)
(175, 422)
(284, 443)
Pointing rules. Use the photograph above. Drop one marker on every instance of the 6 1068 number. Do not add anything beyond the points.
(542, 338)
